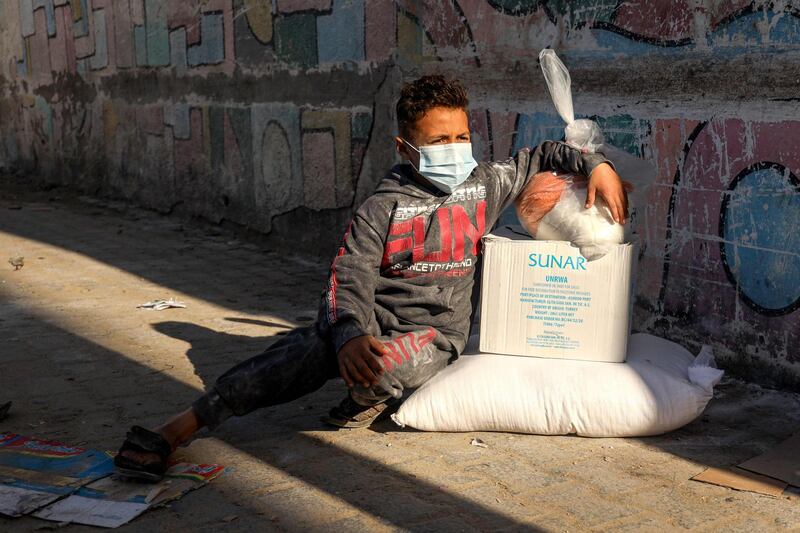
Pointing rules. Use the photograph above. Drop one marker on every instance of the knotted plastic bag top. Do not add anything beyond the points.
(583, 134)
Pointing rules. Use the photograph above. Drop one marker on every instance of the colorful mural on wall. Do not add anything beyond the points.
(250, 110)
(254, 160)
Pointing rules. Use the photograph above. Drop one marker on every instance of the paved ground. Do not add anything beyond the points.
(82, 363)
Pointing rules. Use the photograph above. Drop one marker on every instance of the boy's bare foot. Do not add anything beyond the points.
(144, 453)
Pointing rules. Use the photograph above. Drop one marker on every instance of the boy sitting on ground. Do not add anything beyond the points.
(398, 303)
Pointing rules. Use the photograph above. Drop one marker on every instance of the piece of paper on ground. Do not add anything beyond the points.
(736, 478)
(160, 305)
(35, 472)
(91, 511)
(781, 462)
(111, 502)
(56, 481)
(16, 501)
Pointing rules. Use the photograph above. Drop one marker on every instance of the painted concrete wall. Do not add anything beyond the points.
(278, 115)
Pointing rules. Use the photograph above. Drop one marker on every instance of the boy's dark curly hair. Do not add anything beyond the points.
(421, 95)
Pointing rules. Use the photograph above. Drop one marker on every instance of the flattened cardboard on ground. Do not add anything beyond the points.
(781, 462)
(544, 299)
(111, 502)
(64, 483)
(739, 479)
(16, 501)
(35, 472)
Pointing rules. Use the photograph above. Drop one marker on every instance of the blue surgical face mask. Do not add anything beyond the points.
(445, 165)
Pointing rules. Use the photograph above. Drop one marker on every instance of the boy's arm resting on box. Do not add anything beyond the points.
(555, 155)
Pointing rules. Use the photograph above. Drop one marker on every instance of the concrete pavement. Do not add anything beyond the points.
(82, 363)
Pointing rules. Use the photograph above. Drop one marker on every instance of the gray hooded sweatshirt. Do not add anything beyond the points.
(408, 258)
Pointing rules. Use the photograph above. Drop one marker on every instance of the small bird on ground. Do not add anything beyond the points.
(17, 262)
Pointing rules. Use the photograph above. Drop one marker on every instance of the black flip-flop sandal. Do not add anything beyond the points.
(143, 440)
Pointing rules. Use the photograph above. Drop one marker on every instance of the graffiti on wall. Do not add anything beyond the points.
(259, 160)
(720, 261)
(160, 101)
(729, 257)
(630, 26)
(104, 35)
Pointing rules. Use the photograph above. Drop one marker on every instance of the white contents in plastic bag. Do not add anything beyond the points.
(593, 230)
(551, 208)
(660, 388)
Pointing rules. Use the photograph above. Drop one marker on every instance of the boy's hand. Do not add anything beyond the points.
(358, 360)
(605, 181)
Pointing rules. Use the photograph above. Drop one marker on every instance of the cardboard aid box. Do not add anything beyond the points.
(544, 299)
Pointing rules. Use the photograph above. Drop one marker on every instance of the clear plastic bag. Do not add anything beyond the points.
(583, 134)
(551, 207)
(593, 229)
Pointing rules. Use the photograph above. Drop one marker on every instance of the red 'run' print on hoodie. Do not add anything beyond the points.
(408, 258)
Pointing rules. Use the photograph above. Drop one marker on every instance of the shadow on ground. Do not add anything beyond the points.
(383, 491)
(94, 386)
(187, 256)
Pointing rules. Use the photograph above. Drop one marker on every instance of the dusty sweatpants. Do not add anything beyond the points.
(303, 360)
